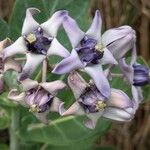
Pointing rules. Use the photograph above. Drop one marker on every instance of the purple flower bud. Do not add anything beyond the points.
(141, 75)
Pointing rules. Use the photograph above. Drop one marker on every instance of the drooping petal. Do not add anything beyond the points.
(127, 70)
(75, 34)
(137, 96)
(76, 83)
(93, 118)
(55, 105)
(117, 114)
(108, 58)
(53, 87)
(18, 47)
(74, 109)
(94, 30)
(57, 49)
(12, 64)
(17, 97)
(42, 116)
(114, 34)
(119, 99)
(28, 84)
(33, 60)
(68, 64)
(52, 25)
(29, 23)
(99, 78)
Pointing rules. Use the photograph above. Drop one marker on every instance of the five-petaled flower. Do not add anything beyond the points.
(40, 98)
(88, 53)
(37, 41)
(91, 102)
(6, 64)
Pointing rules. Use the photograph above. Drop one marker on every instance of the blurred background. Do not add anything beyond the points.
(136, 13)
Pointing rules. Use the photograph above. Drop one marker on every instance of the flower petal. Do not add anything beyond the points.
(127, 70)
(33, 60)
(68, 64)
(52, 25)
(29, 23)
(75, 34)
(18, 47)
(76, 83)
(119, 99)
(57, 49)
(6, 42)
(18, 97)
(95, 29)
(74, 109)
(117, 114)
(108, 58)
(55, 106)
(114, 34)
(99, 78)
(28, 84)
(42, 116)
(93, 118)
(53, 87)
(12, 64)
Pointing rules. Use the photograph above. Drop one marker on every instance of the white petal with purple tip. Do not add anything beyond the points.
(18, 47)
(29, 22)
(75, 34)
(52, 25)
(57, 49)
(94, 30)
(68, 64)
(33, 60)
(99, 78)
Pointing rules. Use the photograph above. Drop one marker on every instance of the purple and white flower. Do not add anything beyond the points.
(40, 98)
(8, 64)
(89, 53)
(37, 41)
(119, 40)
(91, 102)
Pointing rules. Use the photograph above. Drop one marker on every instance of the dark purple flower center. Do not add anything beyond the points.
(141, 75)
(39, 100)
(92, 100)
(1, 65)
(37, 42)
(88, 52)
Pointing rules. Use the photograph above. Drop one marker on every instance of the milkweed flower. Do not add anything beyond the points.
(40, 98)
(122, 40)
(89, 53)
(91, 102)
(37, 41)
(8, 64)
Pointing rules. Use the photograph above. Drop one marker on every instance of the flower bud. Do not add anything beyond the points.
(141, 75)
(119, 40)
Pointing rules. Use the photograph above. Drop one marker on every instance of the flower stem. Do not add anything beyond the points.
(15, 122)
(44, 71)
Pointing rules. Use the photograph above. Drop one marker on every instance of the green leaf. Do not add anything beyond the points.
(4, 29)
(3, 146)
(4, 119)
(62, 131)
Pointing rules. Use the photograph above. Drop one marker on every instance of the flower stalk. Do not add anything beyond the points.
(15, 123)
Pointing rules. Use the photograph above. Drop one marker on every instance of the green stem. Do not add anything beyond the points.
(15, 119)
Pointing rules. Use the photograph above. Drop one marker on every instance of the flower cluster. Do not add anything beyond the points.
(91, 50)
